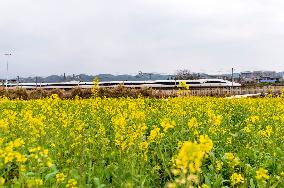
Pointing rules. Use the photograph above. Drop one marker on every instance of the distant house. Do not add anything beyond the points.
(260, 76)
(247, 74)
(268, 80)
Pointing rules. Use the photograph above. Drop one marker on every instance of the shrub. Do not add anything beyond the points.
(59, 92)
(38, 94)
(17, 93)
(82, 93)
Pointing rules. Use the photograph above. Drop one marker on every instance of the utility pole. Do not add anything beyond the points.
(18, 81)
(232, 80)
(36, 81)
(7, 69)
(150, 76)
(232, 77)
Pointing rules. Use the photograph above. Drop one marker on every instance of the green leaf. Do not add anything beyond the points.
(275, 184)
(98, 184)
(51, 175)
(251, 183)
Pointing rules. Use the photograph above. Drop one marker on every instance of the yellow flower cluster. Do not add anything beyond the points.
(34, 182)
(262, 174)
(191, 154)
(9, 154)
(127, 135)
(72, 183)
(40, 155)
(266, 133)
(189, 160)
(236, 179)
(155, 134)
(219, 165)
(193, 123)
(229, 156)
(2, 181)
(183, 85)
(167, 124)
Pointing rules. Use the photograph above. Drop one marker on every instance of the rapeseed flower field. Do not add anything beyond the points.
(176, 142)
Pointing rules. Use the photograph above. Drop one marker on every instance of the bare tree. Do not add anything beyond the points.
(185, 74)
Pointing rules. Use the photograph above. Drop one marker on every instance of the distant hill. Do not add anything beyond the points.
(90, 78)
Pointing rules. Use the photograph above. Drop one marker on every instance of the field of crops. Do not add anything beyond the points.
(179, 142)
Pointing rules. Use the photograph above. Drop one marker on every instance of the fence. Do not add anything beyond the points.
(223, 91)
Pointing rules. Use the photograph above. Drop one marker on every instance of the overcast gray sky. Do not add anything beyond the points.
(124, 36)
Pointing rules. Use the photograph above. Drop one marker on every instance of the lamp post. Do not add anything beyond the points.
(7, 68)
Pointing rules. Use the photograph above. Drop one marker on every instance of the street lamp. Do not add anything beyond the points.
(7, 66)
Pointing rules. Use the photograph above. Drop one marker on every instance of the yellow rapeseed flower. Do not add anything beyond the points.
(167, 124)
(2, 181)
(171, 185)
(71, 183)
(192, 178)
(204, 186)
(192, 123)
(1, 140)
(205, 143)
(155, 134)
(183, 85)
(191, 154)
(236, 179)
(22, 168)
(60, 177)
(18, 142)
(176, 172)
(34, 182)
(144, 146)
(20, 158)
(262, 174)
(229, 156)
(219, 165)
